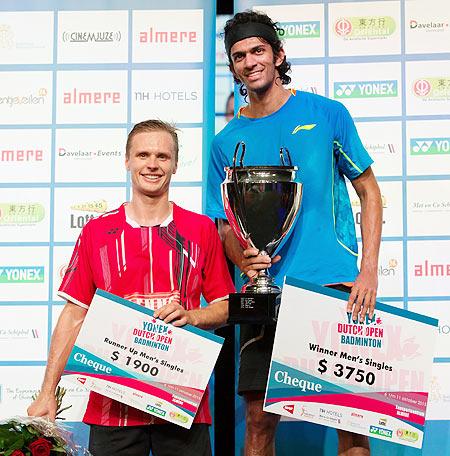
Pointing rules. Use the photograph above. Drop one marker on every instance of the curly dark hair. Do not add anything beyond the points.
(276, 45)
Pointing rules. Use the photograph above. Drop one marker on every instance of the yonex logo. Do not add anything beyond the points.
(308, 29)
(303, 127)
(366, 89)
(430, 146)
(22, 274)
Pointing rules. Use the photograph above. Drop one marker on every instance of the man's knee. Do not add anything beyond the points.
(258, 421)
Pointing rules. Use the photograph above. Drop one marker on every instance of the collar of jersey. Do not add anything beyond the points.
(135, 224)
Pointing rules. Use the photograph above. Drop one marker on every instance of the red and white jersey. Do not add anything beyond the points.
(179, 260)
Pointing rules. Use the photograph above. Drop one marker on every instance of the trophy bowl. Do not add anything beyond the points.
(261, 204)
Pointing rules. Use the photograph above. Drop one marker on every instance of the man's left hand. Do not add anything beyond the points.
(175, 314)
(363, 296)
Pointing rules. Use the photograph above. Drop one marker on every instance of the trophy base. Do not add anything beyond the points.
(253, 308)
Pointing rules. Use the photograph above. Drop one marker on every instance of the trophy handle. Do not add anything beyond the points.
(239, 195)
(284, 150)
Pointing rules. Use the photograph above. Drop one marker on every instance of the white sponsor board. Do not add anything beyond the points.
(441, 311)
(428, 208)
(427, 26)
(25, 97)
(428, 147)
(428, 87)
(91, 97)
(24, 338)
(189, 198)
(92, 36)
(190, 158)
(309, 78)
(439, 398)
(24, 273)
(26, 37)
(428, 268)
(90, 155)
(367, 89)
(61, 259)
(168, 36)
(303, 27)
(25, 214)
(383, 141)
(364, 28)
(392, 199)
(74, 207)
(160, 92)
(25, 155)
(18, 384)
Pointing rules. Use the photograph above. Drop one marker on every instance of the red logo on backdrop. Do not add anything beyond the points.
(289, 408)
(343, 27)
(82, 380)
(422, 87)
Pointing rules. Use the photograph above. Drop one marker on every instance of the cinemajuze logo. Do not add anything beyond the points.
(366, 89)
(39, 97)
(306, 29)
(21, 274)
(432, 89)
(155, 36)
(21, 213)
(88, 37)
(365, 27)
(429, 26)
(429, 146)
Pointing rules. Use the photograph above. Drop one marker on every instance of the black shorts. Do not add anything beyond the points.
(162, 439)
(256, 344)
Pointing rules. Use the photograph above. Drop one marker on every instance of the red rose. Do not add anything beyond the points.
(17, 453)
(40, 447)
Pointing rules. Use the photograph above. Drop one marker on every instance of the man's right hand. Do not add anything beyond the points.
(252, 262)
(44, 406)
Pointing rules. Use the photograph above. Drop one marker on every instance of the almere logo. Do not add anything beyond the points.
(21, 274)
(365, 27)
(429, 146)
(306, 29)
(366, 89)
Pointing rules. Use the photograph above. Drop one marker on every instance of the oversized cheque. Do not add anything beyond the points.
(124, 353)
(371, 378)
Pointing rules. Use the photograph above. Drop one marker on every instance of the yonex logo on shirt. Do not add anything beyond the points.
(303, 127)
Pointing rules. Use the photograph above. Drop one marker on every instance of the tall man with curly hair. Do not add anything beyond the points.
(322, 248)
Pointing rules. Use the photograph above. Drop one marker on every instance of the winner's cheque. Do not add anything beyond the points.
(371, 378)
(124, 353)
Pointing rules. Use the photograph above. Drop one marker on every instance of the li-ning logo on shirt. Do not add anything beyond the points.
(303, 127)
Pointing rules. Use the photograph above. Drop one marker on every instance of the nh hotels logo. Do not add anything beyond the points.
(429, 146)
(366, 89)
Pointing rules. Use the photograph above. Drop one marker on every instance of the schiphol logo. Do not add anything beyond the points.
(433, 89)
(39, 97)
(21, 213)
(429, 146)
(365, 27)
(366, 89)
(305, 29)
(21, 274)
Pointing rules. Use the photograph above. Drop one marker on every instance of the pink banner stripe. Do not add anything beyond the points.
(356, 402)
(144, 387)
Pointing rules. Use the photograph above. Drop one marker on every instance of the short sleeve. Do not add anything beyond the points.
(216, 280)
(78, 282)
(351, 156)
(216, 175)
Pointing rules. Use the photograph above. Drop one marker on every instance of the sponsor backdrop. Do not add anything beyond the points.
(388, 62)
(74, 77)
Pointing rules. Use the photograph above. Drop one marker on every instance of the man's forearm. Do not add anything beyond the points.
(231, 246)
(210, 317)
(63, 339)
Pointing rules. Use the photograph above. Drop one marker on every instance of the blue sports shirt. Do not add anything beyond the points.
(324, 144)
